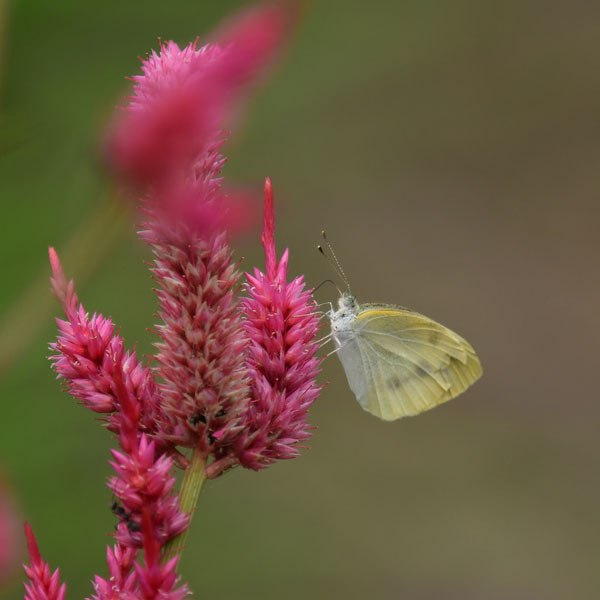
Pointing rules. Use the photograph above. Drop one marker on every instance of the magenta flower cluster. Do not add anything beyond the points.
(233, 377)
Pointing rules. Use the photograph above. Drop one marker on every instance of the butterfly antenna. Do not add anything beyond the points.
(337, 266)
(328, 281)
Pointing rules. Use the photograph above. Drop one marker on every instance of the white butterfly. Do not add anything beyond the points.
(398, 362)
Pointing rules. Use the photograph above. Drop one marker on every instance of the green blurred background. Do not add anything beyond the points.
(450, 149)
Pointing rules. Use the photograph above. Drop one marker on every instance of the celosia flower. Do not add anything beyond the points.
(183, 97)
(234, 381)
(98, 371)
(42, 584)
(281, 321)
(90, 356)
(201, 353)
(169, 140)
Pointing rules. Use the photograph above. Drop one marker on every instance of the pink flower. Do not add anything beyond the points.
(183, 97)
(91, 357)
(168, 141)
(201, 353)
(281, 322)
(42, 585)
(97, 370)
(232, 380)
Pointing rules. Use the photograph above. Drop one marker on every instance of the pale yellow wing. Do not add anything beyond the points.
(410, 362)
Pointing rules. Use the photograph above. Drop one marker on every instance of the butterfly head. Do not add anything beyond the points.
(342, 320)
(347, 303)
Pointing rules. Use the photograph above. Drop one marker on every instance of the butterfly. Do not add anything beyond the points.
(398, 362)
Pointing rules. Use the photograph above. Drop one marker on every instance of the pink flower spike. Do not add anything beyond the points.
(201, 354)
(267, 237)
(92, 359)
(183, 97)
(58, 281)
(42, 585)
(281, 322)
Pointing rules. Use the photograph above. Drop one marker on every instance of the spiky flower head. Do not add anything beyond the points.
(281, 322)
(91, 359)
(232, 380)
(42, 585)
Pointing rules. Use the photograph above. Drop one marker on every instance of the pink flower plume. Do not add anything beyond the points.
(201, 352)
(281, 323)
(233, 379)
(183, 96)
(106, 378)
(42, 585)
(92, 359)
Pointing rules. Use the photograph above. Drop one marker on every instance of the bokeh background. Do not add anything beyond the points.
(451, 151)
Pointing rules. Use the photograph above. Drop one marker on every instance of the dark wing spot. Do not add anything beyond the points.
(434, 337)
(420, 372)
(394, 382)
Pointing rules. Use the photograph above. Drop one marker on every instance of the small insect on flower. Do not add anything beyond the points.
(398, 363)
(124, 516)
(197, 418)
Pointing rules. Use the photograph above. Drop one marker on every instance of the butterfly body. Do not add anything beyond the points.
(400, 363)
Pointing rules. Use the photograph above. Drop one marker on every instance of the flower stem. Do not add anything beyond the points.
(193, 480)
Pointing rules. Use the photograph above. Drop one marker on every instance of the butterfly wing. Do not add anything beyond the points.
(401, 363)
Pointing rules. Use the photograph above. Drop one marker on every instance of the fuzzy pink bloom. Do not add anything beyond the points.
(91, 357)
(42, 584)
(281, 322)
(235, 380)
(168, 141)
(201, 353)
(183, 96)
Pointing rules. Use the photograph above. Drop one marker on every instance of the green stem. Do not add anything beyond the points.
(193, 480)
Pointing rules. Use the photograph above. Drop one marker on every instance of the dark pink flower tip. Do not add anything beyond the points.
(42, 584)
(267, 237)
(32, 547)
